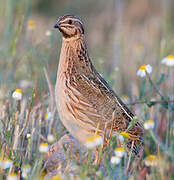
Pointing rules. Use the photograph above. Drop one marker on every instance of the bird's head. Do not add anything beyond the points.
(70, 26)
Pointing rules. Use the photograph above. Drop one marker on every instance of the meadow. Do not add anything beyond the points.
(131, 44)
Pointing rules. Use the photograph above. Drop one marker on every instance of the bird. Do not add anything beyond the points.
(84, 100)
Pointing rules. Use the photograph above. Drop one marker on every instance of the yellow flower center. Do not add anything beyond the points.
(125, 134)
(18, 91)
(57, 177)
(143, 67)
(93, 138)
(26, 166)
(149, 121)
(8, 160)
(46, 115)
(12, 175)
(31, 24)
(151, 158)
(171, 57)
(119, 149)
(125, 96)
(44, 144)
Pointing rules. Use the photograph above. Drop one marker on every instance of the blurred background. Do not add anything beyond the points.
(121, 35)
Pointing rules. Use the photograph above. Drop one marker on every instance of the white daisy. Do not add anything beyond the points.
(12, 176)
(149, 124)
(48, 116)
(7, 163)
(168, 61)
(144, 69)
(28, 135)
(48, 33)
(25, 170)
(120, 152)
(17, 94)
(151, 160)
(50, 138)
(25, 84)
(115, 160)
(123, 135)
(56, 177)
(94, 141)
(43, 148)
(125, 98)
(31, 25)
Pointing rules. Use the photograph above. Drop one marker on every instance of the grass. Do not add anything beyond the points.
(30, 63)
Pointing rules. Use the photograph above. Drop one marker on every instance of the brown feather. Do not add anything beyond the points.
(84, 99)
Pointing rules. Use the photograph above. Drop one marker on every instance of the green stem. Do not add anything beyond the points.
(162, 146)
(155, 87)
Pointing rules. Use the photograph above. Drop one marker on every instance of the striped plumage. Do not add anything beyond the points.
(84, 99)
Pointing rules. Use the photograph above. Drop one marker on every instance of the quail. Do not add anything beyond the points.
(84, 100)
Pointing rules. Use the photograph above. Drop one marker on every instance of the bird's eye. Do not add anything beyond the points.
(70, 21)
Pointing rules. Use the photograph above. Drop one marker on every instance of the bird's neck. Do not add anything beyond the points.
(74, 54)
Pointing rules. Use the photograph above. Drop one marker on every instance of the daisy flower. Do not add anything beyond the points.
(120, 152)
(48, 116)
(94, 141)
(25, 170)
(7, 163)
(125, 98)
(115, 160)
(144, 69)
(123, 135)
(56, 177)
(31, 25)
(12, 176)
(168, 61)
(50, 138)
(48, 33)
(43, 148)
(149, 124)
(17, 94)
(151, 160)
(28, 135)
(25, 84)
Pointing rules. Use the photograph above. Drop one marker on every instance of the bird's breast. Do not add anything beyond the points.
(70, 108)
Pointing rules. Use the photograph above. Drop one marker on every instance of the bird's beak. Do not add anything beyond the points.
(56, 26)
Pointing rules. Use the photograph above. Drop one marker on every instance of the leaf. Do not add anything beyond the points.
(131, 124)
(150, 103)
(3, 122)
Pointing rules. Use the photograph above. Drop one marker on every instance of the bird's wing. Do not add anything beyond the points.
(96, 106)
(95, 102)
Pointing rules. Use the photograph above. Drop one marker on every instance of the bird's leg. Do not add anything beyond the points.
(106, 142)
(119, 143)
(110, 132)
(128, 164)
(86, 156)
(109, 136)
(97, 159)
(96, 151)
(105, 136)
(137, 161)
